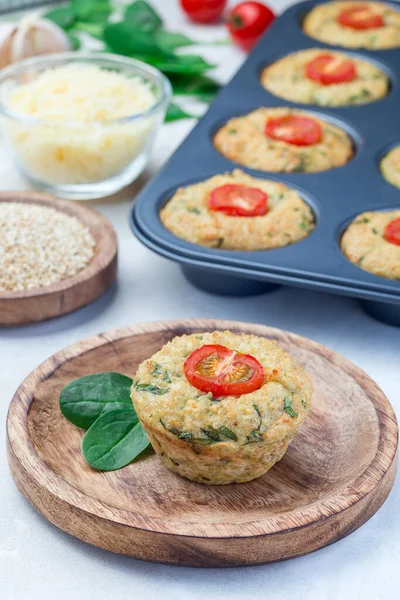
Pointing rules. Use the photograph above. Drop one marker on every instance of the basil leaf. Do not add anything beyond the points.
(92, 11)
(287, 407)
(82, 401)
(114, 440)
(143, 16)
(175, 112)
(202, 87)
(168, 41)
(63, 17)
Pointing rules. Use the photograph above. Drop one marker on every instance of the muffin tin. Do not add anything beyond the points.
(336, 196)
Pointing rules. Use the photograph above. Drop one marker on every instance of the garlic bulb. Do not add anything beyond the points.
(32, 36)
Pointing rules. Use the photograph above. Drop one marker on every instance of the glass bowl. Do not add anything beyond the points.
(88, 158)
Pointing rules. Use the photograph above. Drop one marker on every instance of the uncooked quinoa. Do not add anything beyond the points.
(40, 246)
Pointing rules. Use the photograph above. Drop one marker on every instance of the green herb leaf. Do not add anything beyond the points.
(194, 210)
(202, 87)
(220, 241)
(304, 225)
(254, 436)
(114, 440)
(63, 17)
(143, 16)
(287, 407)
(127, 39)
(212, 434)
(185, 435)
(175, 112)
(82, 401)
(95, 30)
(227, 433)
(169, 41)
(188, 64)
(91, 11)
(74, 41)
(149, 387)
(159, 370)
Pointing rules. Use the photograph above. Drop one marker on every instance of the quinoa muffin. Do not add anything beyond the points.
(285, 140)
(372, 242)
(390, 166)
(213, 438)
(372, 25)
(191, 216)
(326, 78)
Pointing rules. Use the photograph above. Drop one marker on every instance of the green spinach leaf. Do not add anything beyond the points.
(175, 112)
(63, 17)
(202, 87)
(114, 440)
(92, 11)
(82, 401)
(189, 64)
(169, 41)
(127, 39)
(287, 407)
(143, 16)
(149, 387)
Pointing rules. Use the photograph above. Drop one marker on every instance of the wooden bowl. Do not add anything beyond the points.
(17, 308)
(335, 475)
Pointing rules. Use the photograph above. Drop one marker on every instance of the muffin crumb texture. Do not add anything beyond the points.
(229, 439)
(364, 244)
(289, 219)
(321, 24)
(243, 140)
(390, 166)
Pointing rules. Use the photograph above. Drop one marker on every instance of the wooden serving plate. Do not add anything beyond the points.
(335, 475)
(17, 308)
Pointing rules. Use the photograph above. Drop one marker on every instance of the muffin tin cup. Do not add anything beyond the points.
(336, 196)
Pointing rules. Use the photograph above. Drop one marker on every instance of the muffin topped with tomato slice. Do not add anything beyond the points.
(326, 78)
(235, 211)
(372, 25)
(372, 242)
(284, 139)
(219, 407)
(390, 166)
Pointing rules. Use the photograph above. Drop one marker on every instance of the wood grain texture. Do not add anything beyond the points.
(17, 308)
(335, 475)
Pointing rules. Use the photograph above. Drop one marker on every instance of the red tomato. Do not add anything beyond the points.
(300, 131)
(247, 22)
(392, 232)
(360, 16)
(223, 372)
(327, 69)
(203, 11)
(238, 200)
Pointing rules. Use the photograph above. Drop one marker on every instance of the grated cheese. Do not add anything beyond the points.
(76, 144)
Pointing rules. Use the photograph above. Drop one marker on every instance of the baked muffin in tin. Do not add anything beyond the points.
(215, 436)
(284, 140)
(326, 78)
(371, 25)
(235, 211)
(372, 242)
(390, 166)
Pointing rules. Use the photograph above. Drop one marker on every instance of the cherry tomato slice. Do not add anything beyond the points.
(300, 131)
(392, 232)
(223, 372)
(360, 16)
(238, 200)
(203, 11)
(247, 22)
(327, 69)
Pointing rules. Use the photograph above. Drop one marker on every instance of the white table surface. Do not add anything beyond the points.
(40, 562)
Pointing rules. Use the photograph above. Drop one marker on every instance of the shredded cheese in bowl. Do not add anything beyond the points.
(77, 122)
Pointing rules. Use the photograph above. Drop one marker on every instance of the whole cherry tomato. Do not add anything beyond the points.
(203, 11)
(247, 22)
(223, 372)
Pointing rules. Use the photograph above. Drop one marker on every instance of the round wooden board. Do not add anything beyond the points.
(17, 308)
(335, 475)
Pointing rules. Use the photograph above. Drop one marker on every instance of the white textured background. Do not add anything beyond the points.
(39, 562)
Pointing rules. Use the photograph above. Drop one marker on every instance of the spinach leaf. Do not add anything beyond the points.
(159, 370)
(63, 17)
(143, 16)
(92, 11)
(149, 387)
(287, 407)
(82, 401)
(93, 29)
(227, 433)
(168, 41)
(127, 39)
(202, 87)
(74, 41)
(175, 112)
(189, 64)
(114, 440)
